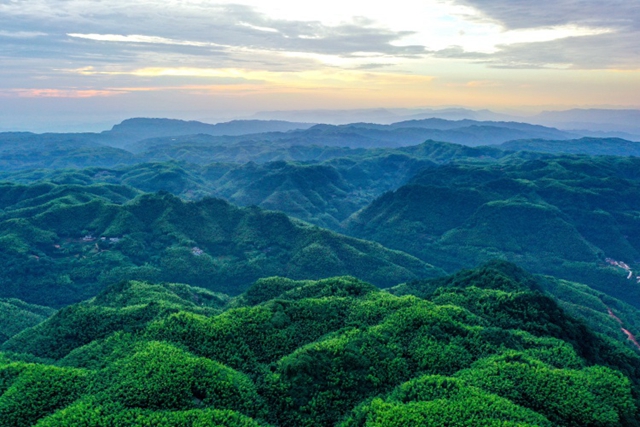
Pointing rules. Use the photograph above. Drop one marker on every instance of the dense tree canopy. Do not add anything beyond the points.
(484, 347)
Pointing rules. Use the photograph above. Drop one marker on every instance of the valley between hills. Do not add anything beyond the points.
(271, 273)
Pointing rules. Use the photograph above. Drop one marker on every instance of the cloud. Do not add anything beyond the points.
(520, 14)
(198, 25)
(135, 38)
(136, 48)
(21, 34)
(255, 27)
(607, 51)
(599, 34)
(457, 52)
(56, 93)
(150, 44)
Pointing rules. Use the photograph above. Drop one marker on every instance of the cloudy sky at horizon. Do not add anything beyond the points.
(197, 59)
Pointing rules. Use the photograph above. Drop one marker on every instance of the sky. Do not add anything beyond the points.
(87, 63)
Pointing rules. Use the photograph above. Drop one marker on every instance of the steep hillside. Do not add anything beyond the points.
(126, 306)
(571, 217)
(604, 314)
(56, 251)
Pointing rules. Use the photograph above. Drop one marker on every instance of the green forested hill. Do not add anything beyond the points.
(323, 193)
(126, 306)
(23, 150)
(485, 347)
(60, 245)
(24, 200)
(571, 217)
(16, 315)
(603, 313)
(592, 146)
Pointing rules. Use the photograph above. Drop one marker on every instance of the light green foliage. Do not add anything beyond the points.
(246, 338)
(100, 353)
(160, 376)
(281, 288)
(437, 401)
(128, 307)
(86, 414)
(483, 347)
(592, 396)
(37, 391)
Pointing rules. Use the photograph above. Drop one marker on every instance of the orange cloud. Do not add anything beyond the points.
(57, 93)
(476, 84)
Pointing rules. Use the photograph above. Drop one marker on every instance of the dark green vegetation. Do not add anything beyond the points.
(562, 216)
(16, 315)
(324, 193)
(62, 244)
(461, 206)
(19, 151)
(485, 347)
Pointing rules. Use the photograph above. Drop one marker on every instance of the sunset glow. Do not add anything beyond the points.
(286, 55)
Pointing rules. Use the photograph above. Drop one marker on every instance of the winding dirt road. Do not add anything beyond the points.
(629, 335)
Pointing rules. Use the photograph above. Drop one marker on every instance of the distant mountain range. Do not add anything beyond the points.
(138, 135)
(624, 122)
(143, 128)
(380, 115)
(323, 186)
(354, 135)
